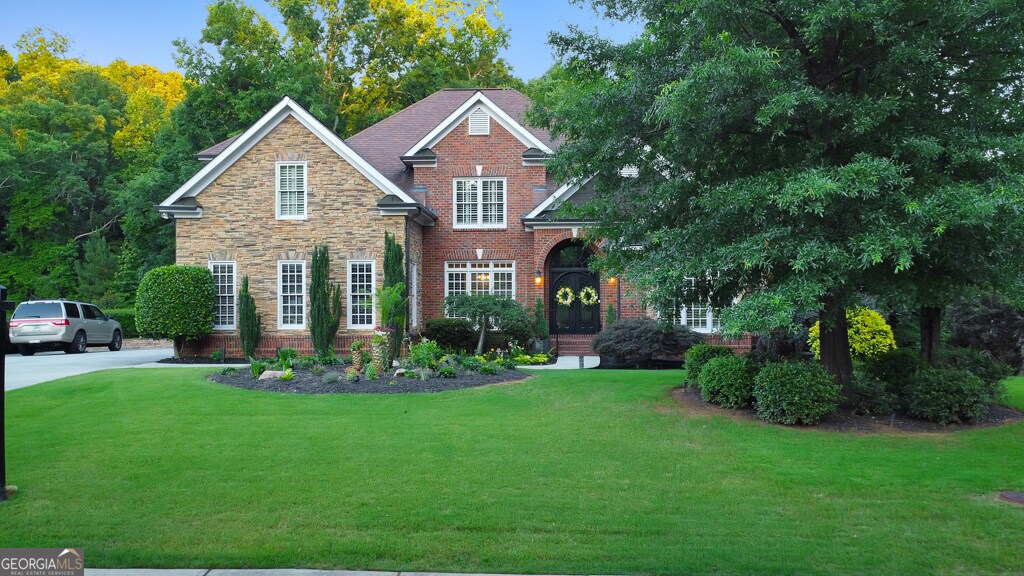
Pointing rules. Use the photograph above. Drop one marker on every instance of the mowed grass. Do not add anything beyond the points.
(568, 472)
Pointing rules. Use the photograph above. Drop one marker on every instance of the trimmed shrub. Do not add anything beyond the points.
(699, 355)
(946, 395)
(126, 316)
(176, 302)
(250, 326)
(325, 304)
(869, 334)
(451, 333)
(896, 368)
(871, 395)
(426, 354)
(982, 364)
(643, 339)
(728, 381)
(795, 393)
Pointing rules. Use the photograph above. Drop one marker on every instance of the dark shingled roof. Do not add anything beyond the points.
(383, 144)
(212, 152)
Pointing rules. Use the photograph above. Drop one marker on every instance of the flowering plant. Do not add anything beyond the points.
(588, 296)
(565, 296)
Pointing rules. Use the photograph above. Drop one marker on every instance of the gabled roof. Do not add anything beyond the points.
(547, 211)
(418, 126)
(237, 147)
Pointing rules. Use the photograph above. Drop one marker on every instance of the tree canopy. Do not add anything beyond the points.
(800, 153)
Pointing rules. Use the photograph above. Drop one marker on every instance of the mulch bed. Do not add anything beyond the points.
(847, 421)
(306, 382)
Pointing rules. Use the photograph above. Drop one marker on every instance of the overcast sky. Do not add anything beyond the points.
(141, 31)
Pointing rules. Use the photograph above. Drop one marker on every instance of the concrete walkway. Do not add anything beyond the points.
(568, 363)
(271, 572)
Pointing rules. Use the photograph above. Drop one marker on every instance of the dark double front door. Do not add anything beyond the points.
(577, 317)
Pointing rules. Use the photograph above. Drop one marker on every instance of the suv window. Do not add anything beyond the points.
(99, 313)
(89, 311)
(72, 310)
(38, 310)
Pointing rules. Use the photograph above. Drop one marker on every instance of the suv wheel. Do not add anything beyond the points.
(26, 350)
(77, 345)
(115, 342)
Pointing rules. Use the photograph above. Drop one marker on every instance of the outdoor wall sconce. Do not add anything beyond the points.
(613, 281)
(538, 278)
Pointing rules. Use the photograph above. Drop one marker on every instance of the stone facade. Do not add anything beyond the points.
(239, 224)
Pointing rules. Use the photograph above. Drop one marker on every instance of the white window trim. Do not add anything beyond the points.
(373, 295)
(280, 297)
(305, 192)
(234, 294)
(479, 204)
(490, 270)
(414, 296)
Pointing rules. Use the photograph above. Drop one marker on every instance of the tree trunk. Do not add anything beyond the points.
(835, 341)
(931, 333)
(483, 336)
(179, 345)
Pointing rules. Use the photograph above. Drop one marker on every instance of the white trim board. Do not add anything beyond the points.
(560, 195)
(284, 109)
(462, 112)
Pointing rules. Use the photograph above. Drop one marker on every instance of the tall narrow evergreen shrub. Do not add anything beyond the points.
(325, 304)
(250, 326)
(394, 274)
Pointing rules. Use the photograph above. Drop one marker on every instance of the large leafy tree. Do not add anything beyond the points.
(800, 153)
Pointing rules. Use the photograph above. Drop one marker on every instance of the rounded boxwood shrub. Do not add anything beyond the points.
(795, 393)
(982, 364)
(869, 334)
(946, 395)
(644, 339)
(870, 394)
(176, 302)
(728, 381)
(699, 355)
(452, 333)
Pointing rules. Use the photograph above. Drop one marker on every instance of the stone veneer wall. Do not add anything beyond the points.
(239, 224)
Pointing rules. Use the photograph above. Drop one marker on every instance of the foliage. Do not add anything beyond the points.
(794, 393)
(699, 355)
(869, 334)
(325, 304)
(286, 357)
(798, 150)
(991, 371)
(728, 381)
(176, 302)
(352, 375)
(391, 305)
(216, 356)
(946, 395)
(487, 310)
(425, 354)
(333, 377)
(126, 316)
(394, 274)
(257, 367)
(643, 339)
(990, 324)
(446, 372)
(288, 374)
(250, 322)
(488, 368)
(471, 363)
(897, 369)
(869, 394)
(516, 328)
(371, 372)
(530, 359)
(609, 316)
(356, 345)
(540, 320)
(96, 271)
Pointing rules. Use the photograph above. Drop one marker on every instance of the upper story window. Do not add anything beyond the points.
(479, 203)
(291, 190)
(479, 123)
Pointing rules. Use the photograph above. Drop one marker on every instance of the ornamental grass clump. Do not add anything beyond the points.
(795, 393)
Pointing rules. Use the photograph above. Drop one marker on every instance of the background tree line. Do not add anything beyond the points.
(87, 150)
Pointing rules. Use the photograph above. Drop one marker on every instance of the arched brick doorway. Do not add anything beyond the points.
(570, 274)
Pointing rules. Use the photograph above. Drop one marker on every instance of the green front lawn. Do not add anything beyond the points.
(569, 472)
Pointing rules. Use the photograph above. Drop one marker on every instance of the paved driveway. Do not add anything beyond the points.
(45, 366)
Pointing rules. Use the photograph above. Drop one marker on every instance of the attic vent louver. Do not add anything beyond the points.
(479, 123)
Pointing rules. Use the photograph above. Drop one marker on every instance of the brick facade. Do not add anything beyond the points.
(239, 224)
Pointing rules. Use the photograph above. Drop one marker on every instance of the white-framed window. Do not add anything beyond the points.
(360, 294)
(480, 277)
(292, 194)
(698, 316)
(479, 123)
(291, 294)
(224, 315)
(479, 203)
(414, 295)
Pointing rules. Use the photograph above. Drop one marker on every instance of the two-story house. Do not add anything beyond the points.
(459, 178)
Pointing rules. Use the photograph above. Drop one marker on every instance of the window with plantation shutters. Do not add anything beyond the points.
(479, 203)
(291, 190)
(479, 123)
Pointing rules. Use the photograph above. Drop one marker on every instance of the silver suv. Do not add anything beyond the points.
(62, 325)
